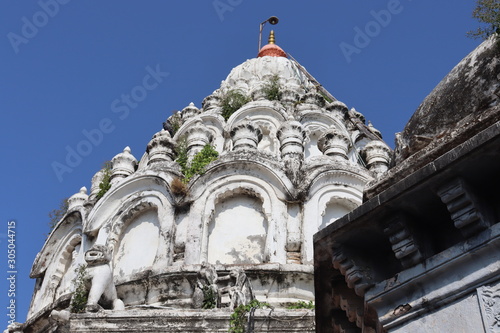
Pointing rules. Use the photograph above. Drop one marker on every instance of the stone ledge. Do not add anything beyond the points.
(441, 279)
(188, 321)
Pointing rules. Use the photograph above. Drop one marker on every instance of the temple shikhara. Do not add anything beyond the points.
(273, 197)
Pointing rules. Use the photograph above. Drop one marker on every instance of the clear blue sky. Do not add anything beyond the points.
(63, 72)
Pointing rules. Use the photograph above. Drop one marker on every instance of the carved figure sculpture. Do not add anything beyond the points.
(100, 280)
(206, 284)
(239, 290)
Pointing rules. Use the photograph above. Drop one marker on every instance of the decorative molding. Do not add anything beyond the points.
(463, 206)
(357, 278)
(489, 301)
(403, 243)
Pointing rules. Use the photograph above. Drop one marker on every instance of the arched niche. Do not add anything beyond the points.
(237, 231)
(335, 209)
(269, 143)
(316, 123)
(257, 113)
(136, 248)
(207, 206)
(311, 145)
(331, 195)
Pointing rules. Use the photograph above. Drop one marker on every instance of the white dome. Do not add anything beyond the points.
(249, 75)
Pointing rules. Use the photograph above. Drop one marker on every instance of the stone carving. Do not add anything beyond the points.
(123, 165)
(489, 298)
(377, 156)
(334, 143)
(356, 277)
(292, 137)
(206, 283)
(245, 135)
(60, 317)
(239, 290)
(190, 111)
(78, 199)
(289, 97)
(100, 280)
(346, 300)
(313, 99)
(462, 204)
(338, 109)
(160, 148)
(197, 137)
(403, 243)
(210, 102)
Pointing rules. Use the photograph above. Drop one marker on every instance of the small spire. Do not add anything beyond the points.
(271, 39)
(271, 49)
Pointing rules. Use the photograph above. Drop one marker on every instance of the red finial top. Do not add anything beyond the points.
(271, 49)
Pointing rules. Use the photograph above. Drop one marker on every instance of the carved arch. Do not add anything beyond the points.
(258, 113)
(52, 262)
(223, 186)
(112, 231)
(113, 203)
(253, 189)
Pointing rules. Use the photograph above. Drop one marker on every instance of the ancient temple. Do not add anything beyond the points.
(422, 254)
(220, 210)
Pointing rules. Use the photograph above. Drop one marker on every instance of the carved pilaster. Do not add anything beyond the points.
(245, 135)
(334, 143)
(378, 156)
(292, 137)
(197, 137)
(161, 148)
(403, 243)
(123, 165)
(466, 212)
(357, 278)
(489, 300)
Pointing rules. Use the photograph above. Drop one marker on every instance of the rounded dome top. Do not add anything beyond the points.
(252, 73)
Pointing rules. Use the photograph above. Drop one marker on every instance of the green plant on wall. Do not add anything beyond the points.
(301, 305)
(105, 183)
(80, 295)
(238, 319)
(272, 88)
(231, 102)
(209, 298)
(198, 163)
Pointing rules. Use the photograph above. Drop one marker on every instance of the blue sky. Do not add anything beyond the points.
(67, 65)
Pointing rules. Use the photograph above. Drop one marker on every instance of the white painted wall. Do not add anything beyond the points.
(138, 245)
(237, 232)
